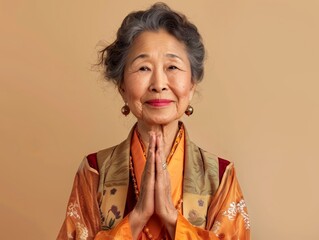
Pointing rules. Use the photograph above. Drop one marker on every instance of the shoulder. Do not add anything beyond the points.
(221, 163)
(96, 159)
(210, 160)
(104, 157)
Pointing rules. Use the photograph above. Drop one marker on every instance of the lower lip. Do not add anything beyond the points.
(159, 104)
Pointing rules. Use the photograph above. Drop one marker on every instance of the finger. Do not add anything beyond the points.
(159, 157)
(150, 161)
(149, 169)
(145, 203)
(164, 206)
(162, 176)
(148, 176)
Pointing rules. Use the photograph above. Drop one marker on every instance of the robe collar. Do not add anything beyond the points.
(200, 182)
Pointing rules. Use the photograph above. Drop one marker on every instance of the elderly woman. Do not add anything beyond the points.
(156, 184)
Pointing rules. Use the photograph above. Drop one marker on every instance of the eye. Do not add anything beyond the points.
(144, 68)
(172, 67)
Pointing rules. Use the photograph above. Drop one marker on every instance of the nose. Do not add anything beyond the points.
(158, 81)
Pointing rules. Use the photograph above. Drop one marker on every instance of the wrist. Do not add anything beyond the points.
(170, 223)
(136, 222)
(137, 219)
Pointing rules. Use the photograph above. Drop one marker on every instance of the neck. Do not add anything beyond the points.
(168, 132)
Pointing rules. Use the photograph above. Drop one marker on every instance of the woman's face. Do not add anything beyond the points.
(157, 78)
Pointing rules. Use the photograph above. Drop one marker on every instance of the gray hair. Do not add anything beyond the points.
(159, 16)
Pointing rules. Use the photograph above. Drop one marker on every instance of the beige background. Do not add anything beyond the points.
(257, 106)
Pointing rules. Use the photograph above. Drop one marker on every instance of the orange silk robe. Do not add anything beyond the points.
(213, 206)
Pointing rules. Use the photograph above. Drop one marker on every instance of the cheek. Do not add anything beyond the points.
(134, 95)
(183, 86)
(132, 89)
(184, 91)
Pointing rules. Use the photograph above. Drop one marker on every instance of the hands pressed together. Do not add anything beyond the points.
(155, 193)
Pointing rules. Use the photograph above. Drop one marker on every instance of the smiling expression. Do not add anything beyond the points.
(157, 78)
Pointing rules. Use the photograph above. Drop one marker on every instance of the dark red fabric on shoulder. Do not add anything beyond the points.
(92, 160)
(222, 167)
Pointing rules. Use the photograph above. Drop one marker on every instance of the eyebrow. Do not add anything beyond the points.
(143, 55)
(169, 55)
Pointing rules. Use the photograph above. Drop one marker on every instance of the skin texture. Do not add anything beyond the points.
(158, 88)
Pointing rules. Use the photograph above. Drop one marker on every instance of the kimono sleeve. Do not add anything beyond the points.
(82, 220)
(227, 216)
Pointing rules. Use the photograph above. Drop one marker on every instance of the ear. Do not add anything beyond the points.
(122, 92)
(192, 91)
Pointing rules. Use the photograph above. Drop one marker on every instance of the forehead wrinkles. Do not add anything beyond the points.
(148, 43)
(167, 56)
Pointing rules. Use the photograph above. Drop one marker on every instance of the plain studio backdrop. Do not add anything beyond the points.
(257, 106)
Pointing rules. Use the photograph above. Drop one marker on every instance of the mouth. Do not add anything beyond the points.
(159, 102)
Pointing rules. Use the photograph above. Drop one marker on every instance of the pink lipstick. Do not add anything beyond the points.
(159, 102)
